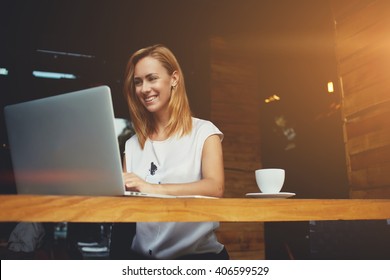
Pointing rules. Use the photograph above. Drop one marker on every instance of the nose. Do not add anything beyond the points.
(145, 88)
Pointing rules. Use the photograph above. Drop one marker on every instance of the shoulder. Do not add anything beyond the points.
(132, 142)
(205, 127)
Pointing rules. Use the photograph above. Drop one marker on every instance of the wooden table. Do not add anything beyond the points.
(34, 208)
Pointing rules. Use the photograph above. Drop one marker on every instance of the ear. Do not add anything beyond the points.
(174, 78)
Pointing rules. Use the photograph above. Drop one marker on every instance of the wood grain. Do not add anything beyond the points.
(36, 208)
(362, 50)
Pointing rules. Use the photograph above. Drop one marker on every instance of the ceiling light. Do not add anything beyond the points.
(3, 71)
(272, 98)
(53, 75)
(330, 87)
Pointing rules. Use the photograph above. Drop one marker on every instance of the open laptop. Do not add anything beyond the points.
(67, 145)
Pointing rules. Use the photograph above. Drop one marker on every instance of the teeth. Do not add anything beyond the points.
(149, 99)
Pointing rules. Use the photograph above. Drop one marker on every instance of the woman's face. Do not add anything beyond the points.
(153, 84)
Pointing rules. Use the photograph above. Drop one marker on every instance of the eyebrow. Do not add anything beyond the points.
(147, 76)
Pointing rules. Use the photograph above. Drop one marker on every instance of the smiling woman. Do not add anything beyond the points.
(155, 72)
(172, 153)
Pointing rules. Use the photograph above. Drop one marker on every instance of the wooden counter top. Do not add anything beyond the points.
(36, 208)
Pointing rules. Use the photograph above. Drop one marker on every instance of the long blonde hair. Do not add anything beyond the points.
(180, 121)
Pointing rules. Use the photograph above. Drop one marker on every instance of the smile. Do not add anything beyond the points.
(150, 99)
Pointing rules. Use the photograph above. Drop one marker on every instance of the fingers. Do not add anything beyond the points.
(131, 180)
(134, 183)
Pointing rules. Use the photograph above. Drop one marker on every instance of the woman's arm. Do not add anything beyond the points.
(211, 184)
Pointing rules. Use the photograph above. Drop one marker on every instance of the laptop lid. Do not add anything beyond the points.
(65, 144)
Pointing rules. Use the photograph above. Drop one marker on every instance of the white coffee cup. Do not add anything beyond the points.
(270, 180)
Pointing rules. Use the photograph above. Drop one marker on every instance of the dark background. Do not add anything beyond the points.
(291, 42)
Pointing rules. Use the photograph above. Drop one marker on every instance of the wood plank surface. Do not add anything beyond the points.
(36, 208)
(373, 158)
(370, 193)
(240, 182)
(362, 49)
(373, 119)
(371, 96)
(370, 141)
(369, 73)
(364, 57)
(348, 46)
(244, 244)
(360, 15)
(343, 9)
(371, 177)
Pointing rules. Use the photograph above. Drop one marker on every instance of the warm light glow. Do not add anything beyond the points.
(330, 87)
(3, 71)
(272, 98)
(53, 75)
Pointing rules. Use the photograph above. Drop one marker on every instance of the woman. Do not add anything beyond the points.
(171, 153)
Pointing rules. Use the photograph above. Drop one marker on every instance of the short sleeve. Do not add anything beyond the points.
(205, 129)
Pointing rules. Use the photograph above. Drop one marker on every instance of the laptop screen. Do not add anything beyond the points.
(65, 144)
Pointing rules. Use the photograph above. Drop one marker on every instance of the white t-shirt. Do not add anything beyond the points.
(175, 160)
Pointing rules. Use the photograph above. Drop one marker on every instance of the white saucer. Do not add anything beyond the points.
(270, 195)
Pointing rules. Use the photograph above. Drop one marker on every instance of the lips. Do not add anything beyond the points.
(150, 99)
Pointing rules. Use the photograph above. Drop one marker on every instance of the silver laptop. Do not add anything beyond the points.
(66, 145)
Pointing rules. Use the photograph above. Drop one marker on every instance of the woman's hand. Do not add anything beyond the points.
(135, 183)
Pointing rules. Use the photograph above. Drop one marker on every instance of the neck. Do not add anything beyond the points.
(161, 122)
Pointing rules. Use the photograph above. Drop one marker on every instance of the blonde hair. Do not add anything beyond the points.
(180, 121)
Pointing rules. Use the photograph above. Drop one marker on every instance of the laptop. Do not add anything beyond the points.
(67, 145)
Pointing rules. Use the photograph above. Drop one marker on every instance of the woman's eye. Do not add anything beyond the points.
(137, 82)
